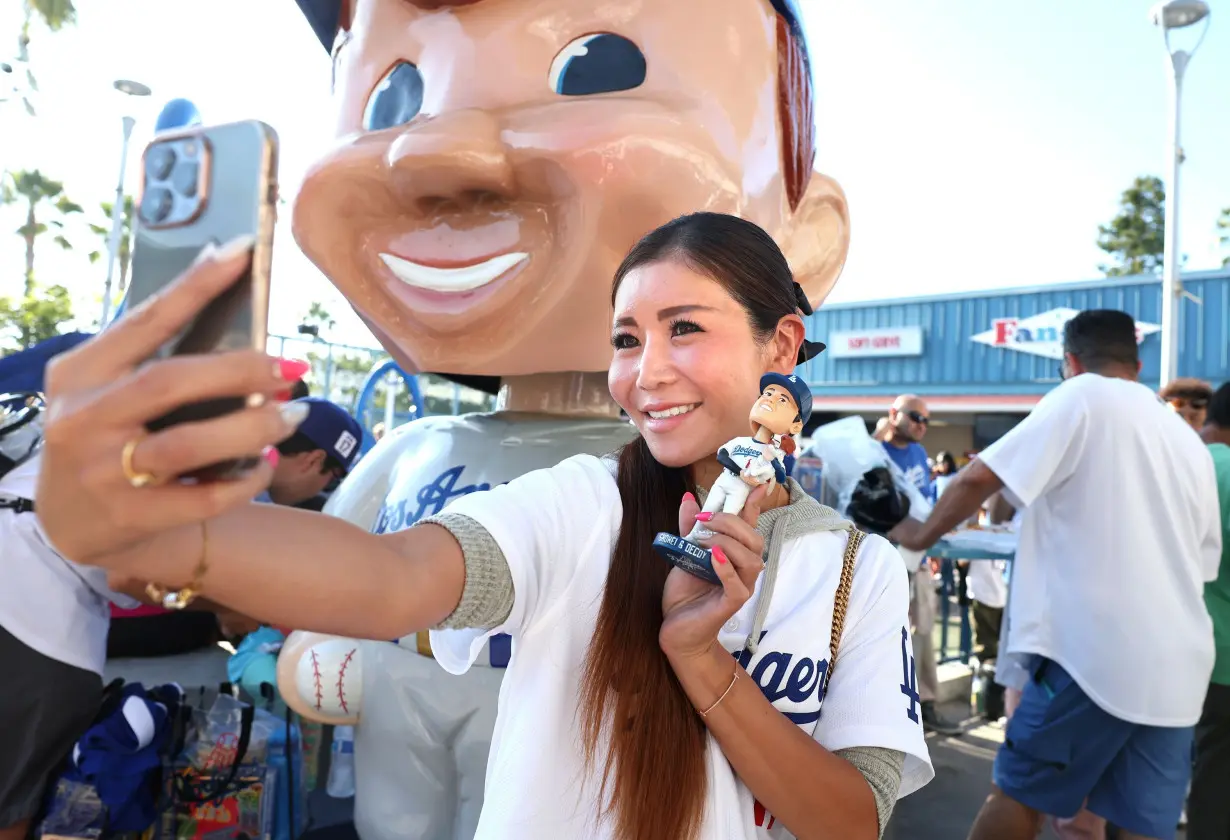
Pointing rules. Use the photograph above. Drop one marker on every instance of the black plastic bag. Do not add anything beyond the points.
(876, 505)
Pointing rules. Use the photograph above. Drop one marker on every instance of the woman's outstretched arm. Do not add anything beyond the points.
(300, 569)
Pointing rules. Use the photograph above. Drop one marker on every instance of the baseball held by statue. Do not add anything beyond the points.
(781, 411)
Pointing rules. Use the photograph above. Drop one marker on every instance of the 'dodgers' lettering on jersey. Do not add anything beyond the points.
(787, 677)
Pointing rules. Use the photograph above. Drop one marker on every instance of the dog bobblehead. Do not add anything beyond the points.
(783, 409)
(496, 159)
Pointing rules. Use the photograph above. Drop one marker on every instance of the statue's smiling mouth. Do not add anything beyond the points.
(455, 279)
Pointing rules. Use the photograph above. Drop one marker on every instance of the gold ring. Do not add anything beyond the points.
(136, 479)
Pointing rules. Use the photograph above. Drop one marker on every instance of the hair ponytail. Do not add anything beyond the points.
(654, 772)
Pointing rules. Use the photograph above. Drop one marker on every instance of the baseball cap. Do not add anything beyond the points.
(331, 427)
(797, 387)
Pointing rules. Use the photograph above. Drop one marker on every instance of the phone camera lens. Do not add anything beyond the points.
(158, 163)
(185, 178)
(156, 205)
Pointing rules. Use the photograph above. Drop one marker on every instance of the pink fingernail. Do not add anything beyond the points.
(272, 455)
(688, 497)
(718, 554)
(704, 516)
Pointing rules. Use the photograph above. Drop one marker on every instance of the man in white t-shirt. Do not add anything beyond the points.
(53, 638)
(1120, 531)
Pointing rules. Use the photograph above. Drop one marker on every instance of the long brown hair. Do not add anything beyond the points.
(655, 769)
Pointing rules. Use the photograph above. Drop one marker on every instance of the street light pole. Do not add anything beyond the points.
(117, 222)
(131, 88)
(1174, 14)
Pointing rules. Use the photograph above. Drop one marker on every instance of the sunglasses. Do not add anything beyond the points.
(1198, 403)
(920, 419)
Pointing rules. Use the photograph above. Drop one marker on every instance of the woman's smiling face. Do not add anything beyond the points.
(687, 364)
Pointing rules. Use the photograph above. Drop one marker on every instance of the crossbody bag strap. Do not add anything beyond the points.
(17, 504)
(841, 602)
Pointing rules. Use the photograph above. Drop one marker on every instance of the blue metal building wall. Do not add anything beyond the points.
(952, 363)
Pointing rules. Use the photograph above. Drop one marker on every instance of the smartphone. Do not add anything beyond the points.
(202, 185)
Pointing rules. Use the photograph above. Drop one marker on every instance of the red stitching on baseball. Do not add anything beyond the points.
(316, 680)
(341, 676)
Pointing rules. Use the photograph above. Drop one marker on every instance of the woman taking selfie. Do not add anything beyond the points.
(641, 703)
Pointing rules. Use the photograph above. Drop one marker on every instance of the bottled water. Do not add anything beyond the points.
(341, 764)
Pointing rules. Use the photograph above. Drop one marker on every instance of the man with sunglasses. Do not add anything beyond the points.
(908, 420)
(907, 425)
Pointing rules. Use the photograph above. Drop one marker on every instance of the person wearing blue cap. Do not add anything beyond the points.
(322, 450)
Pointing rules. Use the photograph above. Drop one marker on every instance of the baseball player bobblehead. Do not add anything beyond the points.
(783, 409)
(493, 167)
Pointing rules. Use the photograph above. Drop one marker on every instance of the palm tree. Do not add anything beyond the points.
(124, 258)
(36, 190)
(55, 14)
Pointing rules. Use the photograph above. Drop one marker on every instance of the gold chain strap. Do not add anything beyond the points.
(841, 602)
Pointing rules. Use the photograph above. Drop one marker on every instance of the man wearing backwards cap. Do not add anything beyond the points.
(325, 447)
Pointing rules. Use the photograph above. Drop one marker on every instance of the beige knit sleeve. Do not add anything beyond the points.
(487, 598)
(881, 767)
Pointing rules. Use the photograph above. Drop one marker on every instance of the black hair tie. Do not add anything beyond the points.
(800, 297)
(810, 350)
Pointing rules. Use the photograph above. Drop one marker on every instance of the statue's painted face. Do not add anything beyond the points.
(497, 160)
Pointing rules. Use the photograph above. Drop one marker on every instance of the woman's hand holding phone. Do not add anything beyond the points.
(106, 484)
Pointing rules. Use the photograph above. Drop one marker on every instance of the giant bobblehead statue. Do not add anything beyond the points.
(496, 160)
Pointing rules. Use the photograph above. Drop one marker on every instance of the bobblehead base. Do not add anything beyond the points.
(687, 555)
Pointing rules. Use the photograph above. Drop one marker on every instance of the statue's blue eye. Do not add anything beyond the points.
(599, 63)
(396, 100)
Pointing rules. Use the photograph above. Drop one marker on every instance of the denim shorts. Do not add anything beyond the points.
(1061, 749)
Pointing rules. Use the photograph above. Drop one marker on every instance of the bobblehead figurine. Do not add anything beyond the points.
(783, 409)
(495, 160)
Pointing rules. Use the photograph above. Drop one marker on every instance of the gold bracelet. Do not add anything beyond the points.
(178, 599)
(733, 680)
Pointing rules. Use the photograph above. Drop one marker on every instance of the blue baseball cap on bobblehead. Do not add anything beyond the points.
(331, 427)
(796, 387)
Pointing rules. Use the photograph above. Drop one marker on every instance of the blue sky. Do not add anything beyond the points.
(980, 144)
